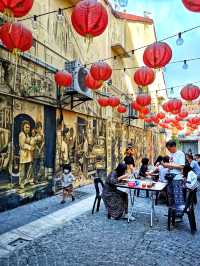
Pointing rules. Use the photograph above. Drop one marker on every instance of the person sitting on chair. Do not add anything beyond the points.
(191, 182)
(116, 201)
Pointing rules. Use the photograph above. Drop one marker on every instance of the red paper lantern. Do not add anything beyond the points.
(157, 55)
(190, 92)
(141, 116)
(15, 8)
(163, 125)
(148, 120)
(194, 120)
(144, 76)
(136, 106)
(175, 122)
(143, 99)
(145, 111)
(167, 120)
(183, 114)
(121, 109)
(174, 106)
(89, 18)
(16, 37)
(192, 126)
(103, 102)
(160, 115)
(114, 101)
(101, 71)
(192, 5)
(63, 79)
(91, 83)
(178, 118)
(165, 107)
(155, 120)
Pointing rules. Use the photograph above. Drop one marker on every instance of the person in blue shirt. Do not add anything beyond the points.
(193, 164)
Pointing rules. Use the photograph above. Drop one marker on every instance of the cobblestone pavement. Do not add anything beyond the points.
(94, 240)
(12, 219)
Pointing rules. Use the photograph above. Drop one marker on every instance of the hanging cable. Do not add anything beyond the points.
(47, 13)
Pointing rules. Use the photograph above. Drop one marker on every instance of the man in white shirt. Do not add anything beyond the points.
(176, 160)
(175, 187)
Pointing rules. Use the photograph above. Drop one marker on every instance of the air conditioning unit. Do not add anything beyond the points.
(79, 73)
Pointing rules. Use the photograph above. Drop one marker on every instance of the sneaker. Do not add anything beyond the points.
(62, 202)
(131, 218)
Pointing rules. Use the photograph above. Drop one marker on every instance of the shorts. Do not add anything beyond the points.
(68, 188)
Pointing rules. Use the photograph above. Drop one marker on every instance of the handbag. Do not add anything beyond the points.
(169, 177)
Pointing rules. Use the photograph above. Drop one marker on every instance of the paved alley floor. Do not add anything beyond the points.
(94, 240)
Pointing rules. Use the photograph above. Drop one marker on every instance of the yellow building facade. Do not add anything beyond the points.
(91, 138)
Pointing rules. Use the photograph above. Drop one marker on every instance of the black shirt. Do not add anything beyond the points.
(143, 170)
(129, 160)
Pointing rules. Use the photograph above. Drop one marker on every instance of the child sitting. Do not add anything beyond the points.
(144, 172)
(162, 170)
(144, 168)
(67, 182)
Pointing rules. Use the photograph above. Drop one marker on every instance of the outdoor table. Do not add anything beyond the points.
(156, 188)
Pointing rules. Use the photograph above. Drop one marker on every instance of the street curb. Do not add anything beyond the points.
(43, 225)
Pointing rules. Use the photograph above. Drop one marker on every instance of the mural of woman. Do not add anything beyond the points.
(26, 151)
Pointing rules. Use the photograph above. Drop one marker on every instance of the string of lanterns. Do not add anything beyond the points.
(88, 25)
(90, 19)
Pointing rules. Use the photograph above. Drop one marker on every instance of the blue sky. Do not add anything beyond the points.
(171, 17)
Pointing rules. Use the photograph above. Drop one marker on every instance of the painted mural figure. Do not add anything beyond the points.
(26, 151)
(37, 141)
(65, 146)
(85, 154)
(5, 149)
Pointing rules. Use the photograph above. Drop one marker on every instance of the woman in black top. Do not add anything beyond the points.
(116, 201)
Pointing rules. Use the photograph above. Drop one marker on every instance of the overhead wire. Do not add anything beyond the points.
(132, 51)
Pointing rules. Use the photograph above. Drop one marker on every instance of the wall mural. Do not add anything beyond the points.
(81, 142)
(28, 146)
(36, 140)
(22, 143)
(5, 143)
(137, 139)
(148, 146)
(119, 136)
